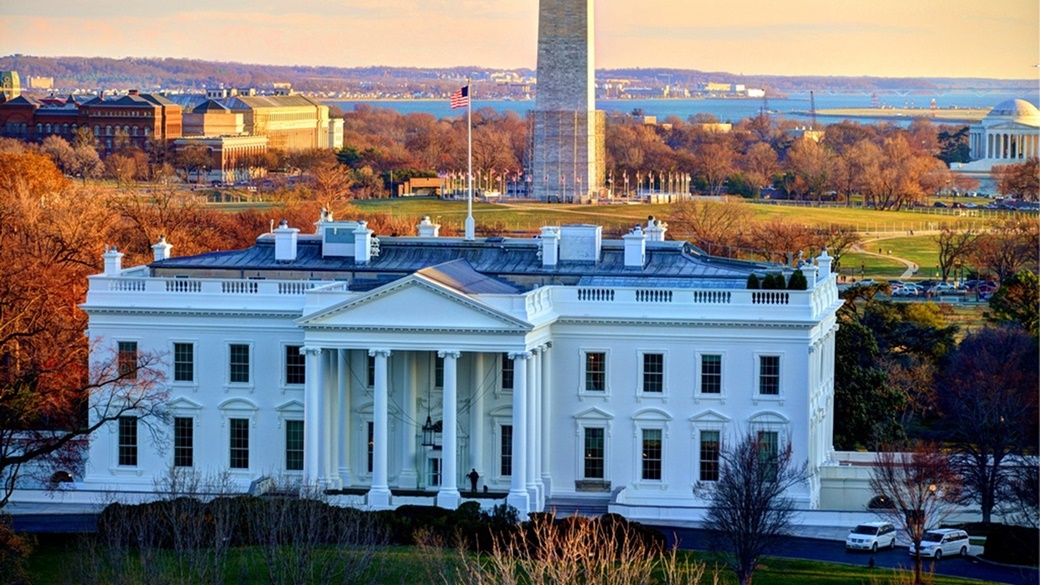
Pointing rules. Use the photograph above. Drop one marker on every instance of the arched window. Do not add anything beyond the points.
(97, 130)
(39, 128)
(48, 127)
(134, 132)
(74, 128)
(64, 128)
(108, 130)
(147, 131)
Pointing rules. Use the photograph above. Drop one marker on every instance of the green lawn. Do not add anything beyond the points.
(59, 561)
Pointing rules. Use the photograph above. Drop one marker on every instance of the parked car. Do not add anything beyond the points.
(942, 288)
(871, 536)
(942, 542)
(939, 204)
(907, 290)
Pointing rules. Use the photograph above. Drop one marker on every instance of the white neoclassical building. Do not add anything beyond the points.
(390, 369)
(1009, 134)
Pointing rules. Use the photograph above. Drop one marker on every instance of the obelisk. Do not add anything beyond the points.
(567, 150)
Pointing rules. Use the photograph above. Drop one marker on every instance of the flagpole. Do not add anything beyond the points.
(470, 224)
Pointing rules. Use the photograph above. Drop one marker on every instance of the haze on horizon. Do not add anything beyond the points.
(883, 38)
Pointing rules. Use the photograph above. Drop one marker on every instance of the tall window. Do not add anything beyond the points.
(239, 363)
(711, 374)
(183, 441)
(239, 443)
(128, 359)
(183, 362)
(594, 451)
(709, 459)
(769, 375)
(433, 471)
(371, 369)
(653, 372)
(128, 440)
(294, 445)
(652, 450)
(371, 445)
(595, 371)
(295, 365)
(768, 449)
(507, 372)
(505, 466)
(438, 371)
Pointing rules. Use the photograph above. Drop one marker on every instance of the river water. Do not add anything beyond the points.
(794, 106)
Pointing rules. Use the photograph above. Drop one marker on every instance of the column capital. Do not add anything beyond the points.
(546, 346)
(535, 351)
(379, 352)
(519, 355)
(452, 353)
(310, 350)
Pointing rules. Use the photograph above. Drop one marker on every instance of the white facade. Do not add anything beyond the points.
(563, 366)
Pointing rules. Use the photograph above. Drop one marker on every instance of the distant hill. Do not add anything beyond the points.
(93, 73)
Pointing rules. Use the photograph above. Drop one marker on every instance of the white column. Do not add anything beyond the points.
(409, 475)
(518, 496)
(344, 417)
(379, 494)
(546, 430)
(448, 496)
(311, 414)
(476, 414)
(332, 424)
(323, 419)
(532, 429)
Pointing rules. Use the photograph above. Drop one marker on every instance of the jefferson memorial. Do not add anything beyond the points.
(1009, 134)
(390, 370)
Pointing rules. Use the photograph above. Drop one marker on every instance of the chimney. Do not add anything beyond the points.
(427, 229)
(550, 246)
(823, 262)
(285, 242)
(581, 243)
(133, 92)
(655, 229)
(635, 248)
(362, 243)
(113, 261)
(161, 250)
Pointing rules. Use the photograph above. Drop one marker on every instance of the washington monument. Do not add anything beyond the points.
(567, 136)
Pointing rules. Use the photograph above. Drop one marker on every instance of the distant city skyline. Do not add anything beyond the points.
(884, 38)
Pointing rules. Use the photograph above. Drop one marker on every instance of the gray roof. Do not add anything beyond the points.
(668, 264)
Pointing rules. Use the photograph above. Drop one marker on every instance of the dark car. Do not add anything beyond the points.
(939, 204)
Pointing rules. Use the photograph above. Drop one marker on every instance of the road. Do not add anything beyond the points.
(834, 552)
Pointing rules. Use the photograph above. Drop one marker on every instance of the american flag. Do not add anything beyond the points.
(460, 99)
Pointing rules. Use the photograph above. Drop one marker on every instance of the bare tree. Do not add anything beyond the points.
(954, 247)
(749, 512)
(922, 487)
(989, 410)
(713, 226)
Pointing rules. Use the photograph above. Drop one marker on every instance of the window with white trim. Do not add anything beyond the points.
(238, 363)
(294, 445)
(505, 456)
(183, 362)
(183, 441)
(652, 454)
(769, 375)
(128, 359)
(594, 453)
(709, 451)
(507, 372)
(594, 371)
(128, 441)
(295, 365)
(711, 374)
(238, 429)
(652, 373)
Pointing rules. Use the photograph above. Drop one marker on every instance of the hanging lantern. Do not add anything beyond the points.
(429, 433)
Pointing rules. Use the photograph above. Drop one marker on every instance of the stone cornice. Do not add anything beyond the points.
(155, 311)
(413, 329)
(687, 323)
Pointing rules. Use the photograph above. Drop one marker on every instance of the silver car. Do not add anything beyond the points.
(871, 536)
(942, 542)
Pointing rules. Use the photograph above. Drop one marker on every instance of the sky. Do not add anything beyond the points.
(879, 38)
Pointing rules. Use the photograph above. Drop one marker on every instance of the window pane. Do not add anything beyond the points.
(239, 443)
(128, 440)
(709, 455)
(595, 371)
(768, 448)
(507, 372)
(239, 363)
(711, 374)
(128, 359)
(438, 372)
(183, 442)
(371, 445)
(652, 454)
(653, 372)
(295, 365)
(371, 378)
(593, 453)
(294, 445)
(183, 362)
(433, 471)
(769, 374)
(506, 461)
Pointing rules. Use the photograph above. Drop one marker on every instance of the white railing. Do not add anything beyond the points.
(216, 286)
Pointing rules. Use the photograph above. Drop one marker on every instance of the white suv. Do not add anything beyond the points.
(871, 536)
(943, 541)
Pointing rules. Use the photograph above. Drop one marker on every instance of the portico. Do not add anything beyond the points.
(369, 386)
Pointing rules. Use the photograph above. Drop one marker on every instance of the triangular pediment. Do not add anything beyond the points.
(414, 303)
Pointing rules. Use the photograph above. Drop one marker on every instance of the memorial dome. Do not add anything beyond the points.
(1017, 110)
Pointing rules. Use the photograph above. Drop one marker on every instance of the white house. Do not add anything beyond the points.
(560, 366)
